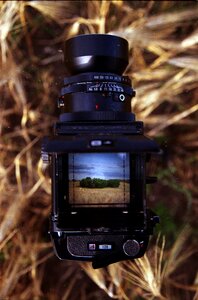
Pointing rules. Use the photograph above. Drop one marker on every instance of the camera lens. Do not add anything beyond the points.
(96, 89)
(96, 53)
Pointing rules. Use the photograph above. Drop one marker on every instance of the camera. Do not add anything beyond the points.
(97, 157)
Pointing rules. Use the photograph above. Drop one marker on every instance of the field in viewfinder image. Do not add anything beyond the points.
(107, 195)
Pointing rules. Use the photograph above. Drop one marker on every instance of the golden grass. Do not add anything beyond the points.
(163, 66)
(150, 275)
(98, 195)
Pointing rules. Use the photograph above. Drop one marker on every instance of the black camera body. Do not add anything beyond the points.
(98, 157)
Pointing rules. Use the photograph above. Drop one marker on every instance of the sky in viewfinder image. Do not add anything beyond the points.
(99, 165)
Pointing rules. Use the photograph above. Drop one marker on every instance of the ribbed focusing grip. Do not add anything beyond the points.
(97, 116)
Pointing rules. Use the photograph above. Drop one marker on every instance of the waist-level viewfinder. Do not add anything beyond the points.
(98, 156)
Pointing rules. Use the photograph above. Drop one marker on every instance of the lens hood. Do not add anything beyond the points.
(96, 53)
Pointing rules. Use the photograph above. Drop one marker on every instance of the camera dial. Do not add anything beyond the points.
(131, 247)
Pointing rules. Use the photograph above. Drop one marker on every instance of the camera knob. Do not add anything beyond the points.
(131, 247)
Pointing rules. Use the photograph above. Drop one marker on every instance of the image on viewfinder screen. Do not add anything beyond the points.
(99, 179)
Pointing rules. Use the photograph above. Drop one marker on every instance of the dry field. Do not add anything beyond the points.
(99, 195)
(163, 66)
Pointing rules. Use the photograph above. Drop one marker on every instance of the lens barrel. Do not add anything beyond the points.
(96, 89)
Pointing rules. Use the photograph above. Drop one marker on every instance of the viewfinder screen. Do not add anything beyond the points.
(99, 179)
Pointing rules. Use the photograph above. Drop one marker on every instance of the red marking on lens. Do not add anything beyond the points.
(97, 106)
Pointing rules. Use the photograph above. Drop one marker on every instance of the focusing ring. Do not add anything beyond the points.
(103, 88)
(97, 116)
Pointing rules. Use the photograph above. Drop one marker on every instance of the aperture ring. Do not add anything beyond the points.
(99, 77)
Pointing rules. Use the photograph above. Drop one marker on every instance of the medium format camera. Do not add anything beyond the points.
(98, 156)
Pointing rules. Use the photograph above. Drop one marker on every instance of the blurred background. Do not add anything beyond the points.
(163, 37)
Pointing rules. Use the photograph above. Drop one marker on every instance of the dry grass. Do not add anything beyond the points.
(97, 195)
(150, 275)
(163, 65)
